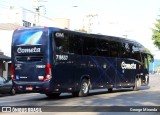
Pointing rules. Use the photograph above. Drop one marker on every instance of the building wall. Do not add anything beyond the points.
(6, 70)
(62, 23)
(1, 68)
(16, 17)
(5, 67)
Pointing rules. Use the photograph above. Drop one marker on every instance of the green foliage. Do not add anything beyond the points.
(148, 51)
(156, 34)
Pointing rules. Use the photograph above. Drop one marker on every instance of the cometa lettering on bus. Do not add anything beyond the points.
(128, 66)
(28, 50)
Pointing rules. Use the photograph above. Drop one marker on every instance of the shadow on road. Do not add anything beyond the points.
(4, 95)
(91, 94)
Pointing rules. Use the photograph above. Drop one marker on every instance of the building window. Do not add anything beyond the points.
(34, 25)
(26, 23)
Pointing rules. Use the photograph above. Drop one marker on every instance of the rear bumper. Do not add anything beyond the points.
(31, 87)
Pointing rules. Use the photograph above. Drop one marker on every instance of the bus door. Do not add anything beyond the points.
(146, 58)
(64, 70)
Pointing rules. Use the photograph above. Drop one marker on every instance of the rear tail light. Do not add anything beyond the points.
(48, 73)
(46, 88)
(13, 73)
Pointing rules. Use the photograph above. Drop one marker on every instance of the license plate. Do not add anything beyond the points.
(29, 88)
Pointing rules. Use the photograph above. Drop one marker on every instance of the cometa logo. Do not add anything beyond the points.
(128, 66)
(28, 50)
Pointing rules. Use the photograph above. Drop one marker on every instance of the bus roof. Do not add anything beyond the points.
(107, 37)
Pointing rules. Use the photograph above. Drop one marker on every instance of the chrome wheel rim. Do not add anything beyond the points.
(85, 87)
(137, 83)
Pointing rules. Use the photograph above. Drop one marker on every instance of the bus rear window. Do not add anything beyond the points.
(28, 37)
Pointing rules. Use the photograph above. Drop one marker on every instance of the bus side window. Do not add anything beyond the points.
(145, 61)
(114, 49)
(103, 48)
(135, 53)
(89, 46)
(125, 50)
(62, 44)
(75, 44)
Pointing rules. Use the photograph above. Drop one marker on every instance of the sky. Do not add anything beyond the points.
(125, 18)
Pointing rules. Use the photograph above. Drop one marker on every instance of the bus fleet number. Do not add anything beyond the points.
(62, 57)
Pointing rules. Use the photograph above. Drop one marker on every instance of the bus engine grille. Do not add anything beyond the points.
(29, 58)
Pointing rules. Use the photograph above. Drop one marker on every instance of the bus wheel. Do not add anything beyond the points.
(84, 90)
(135, 88)
(53, 95)
(140, 82)
(110, 90)
(147, 81)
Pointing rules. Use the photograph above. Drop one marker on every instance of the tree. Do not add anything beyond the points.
(156, 34)
(148, 51)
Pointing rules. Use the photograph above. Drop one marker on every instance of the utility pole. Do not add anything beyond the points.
(37, 6)
(90, 23)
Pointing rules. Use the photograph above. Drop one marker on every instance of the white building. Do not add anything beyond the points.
(62, 23)
(17, 17)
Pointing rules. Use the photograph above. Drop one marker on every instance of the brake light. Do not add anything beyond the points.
(13, 72)
(48, 73)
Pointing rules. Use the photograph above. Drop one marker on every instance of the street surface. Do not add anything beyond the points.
(146, 96)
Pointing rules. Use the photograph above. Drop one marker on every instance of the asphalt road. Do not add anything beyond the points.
(146, 96)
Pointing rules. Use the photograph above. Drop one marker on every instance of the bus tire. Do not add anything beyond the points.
(53, 95)
(84, 89)
(148, 81)
(140, 81)
(110, 90)
(135, 88)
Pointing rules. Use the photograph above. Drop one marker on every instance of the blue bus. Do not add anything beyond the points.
(51, 61)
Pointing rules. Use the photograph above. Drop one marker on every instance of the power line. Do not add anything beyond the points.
(37, 6)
